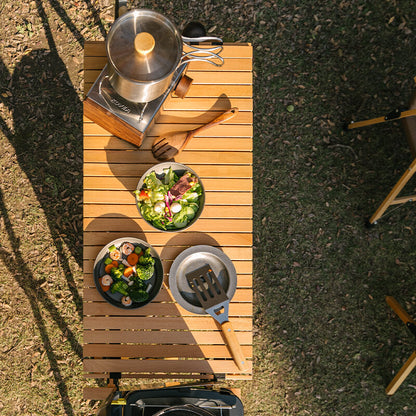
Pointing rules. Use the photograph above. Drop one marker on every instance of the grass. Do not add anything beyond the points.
(325, 341)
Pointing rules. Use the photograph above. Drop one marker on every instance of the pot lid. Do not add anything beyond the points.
(144, 46)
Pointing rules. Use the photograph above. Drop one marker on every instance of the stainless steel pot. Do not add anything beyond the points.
(144, 49)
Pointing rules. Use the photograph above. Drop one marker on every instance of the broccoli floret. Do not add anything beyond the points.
(146, 258)
(120, 287)
(116, 273)
(138, 295)
(145, 271)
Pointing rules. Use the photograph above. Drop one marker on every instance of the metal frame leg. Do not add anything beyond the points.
(391, 198)
(394, 115)
(410, 364)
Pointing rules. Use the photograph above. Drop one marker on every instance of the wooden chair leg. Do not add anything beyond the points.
(398, 379)
(394, 115)
(392, 196)
(410, 364)
(399, 311)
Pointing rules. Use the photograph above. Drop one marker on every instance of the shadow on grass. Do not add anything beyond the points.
(46, 136)
(23, 275)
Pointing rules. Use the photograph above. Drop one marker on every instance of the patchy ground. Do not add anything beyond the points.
(325, 341)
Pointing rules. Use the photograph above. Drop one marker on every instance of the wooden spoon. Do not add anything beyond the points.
(171, 144)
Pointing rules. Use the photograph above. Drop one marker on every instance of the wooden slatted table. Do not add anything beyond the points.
(162, 340)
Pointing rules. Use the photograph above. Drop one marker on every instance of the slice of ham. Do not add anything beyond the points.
(184, 183)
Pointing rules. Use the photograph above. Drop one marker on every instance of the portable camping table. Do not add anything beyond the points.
(162, 340)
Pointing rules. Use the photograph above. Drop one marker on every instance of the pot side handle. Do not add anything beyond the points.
(210, 55)
(212, 39)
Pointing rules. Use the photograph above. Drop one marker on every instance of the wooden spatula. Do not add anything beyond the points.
(214, 300)
(171, 144)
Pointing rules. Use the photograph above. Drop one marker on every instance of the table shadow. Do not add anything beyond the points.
(223, 103)
(104, 225)
(129, 180)
(181, 242)
(16, 264)
(46, 132)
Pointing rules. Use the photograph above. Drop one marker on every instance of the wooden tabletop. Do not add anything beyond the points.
(162, 339)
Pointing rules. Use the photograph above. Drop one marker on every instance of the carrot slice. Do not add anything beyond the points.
(132, 259)
(128, 271)
(109, 267)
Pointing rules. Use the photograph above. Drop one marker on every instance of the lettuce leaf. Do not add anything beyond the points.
(158, 195)
(152, 182)
(149, 213)
(182, 218)
(170, 178)
(193, 194)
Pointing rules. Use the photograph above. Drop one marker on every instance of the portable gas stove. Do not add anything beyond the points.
(123, 118)
(174, 401)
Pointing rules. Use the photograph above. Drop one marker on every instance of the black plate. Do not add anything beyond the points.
(115, 298)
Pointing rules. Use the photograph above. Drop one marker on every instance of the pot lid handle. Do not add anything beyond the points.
(144, 43)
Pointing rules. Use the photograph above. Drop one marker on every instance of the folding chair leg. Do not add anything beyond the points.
(410, 364)
(394, 115)
(391, 197)
(398, 379)
(398, 310)
(409, 126)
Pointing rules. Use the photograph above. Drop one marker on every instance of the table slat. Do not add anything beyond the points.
(163, 305)
(163, 366)
(183, 240)
(163, 337)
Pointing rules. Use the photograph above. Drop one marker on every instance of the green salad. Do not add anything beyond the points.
(169, 202)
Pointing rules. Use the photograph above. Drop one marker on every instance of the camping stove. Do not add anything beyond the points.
(125, 119)
(174, 401)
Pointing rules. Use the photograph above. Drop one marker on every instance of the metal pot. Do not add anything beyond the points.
(144, 49)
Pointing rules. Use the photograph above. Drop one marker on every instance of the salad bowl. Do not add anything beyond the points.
(170, 196)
